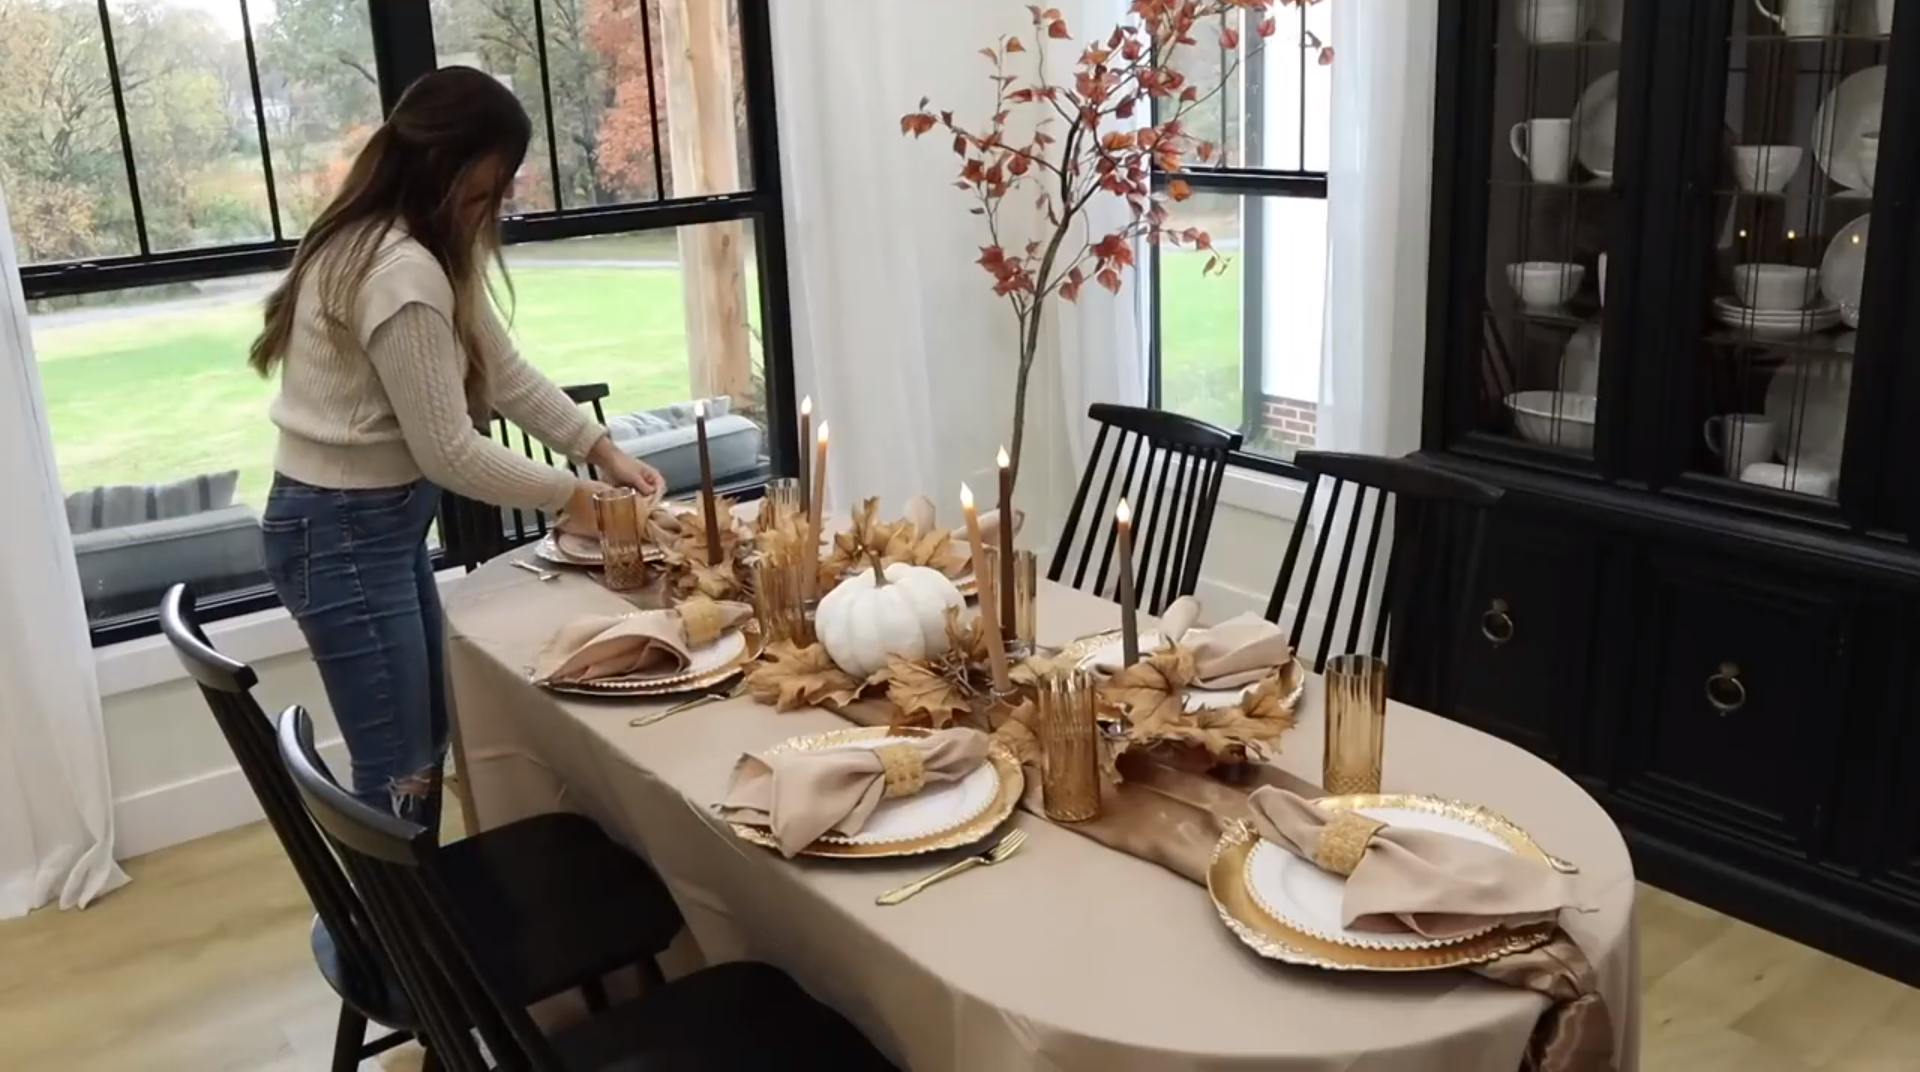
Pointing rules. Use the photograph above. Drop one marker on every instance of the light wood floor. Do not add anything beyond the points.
(202, 965)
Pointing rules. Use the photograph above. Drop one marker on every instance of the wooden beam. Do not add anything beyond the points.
(697, 54)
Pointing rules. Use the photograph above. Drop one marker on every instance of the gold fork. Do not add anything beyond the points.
(688, 705)
(999, 854)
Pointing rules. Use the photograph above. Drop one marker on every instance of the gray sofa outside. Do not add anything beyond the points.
(124, 569)
(733, 446)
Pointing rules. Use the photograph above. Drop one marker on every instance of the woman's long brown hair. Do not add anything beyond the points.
(411, 174)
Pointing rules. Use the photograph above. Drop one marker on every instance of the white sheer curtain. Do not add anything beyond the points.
(56, 808)
(897, 334)
(1378, 182)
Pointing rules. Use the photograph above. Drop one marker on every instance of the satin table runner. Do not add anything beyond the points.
(1073, 955)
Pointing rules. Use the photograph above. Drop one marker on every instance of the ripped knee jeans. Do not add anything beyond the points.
(352, 568)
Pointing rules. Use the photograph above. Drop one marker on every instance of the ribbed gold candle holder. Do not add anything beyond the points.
(779, 601)
(1070, 772)
(1356, 724)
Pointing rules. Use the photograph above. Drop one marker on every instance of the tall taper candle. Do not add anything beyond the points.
(810, 584)
(708, 514)
(1129, 613)
(989, 614)
(806, 436)
(1005, 579)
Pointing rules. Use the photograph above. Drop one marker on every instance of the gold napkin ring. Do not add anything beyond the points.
(905, 768)
(700, 617)
(1344, 841)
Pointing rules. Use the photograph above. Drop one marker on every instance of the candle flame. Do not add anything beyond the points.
(700, 409)
(966, 496)
(1004, 461)
(1791, 236)
(806, 406)
(1123, 513)
(823, 433)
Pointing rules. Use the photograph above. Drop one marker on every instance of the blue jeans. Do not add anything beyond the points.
(352, 568)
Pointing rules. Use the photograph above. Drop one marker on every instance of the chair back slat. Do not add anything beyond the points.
(395, 865)
(472, 532)
(226, 685)
(1169, 468)
(1412, 494)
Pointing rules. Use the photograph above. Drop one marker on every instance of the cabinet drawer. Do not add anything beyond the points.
(1736, 699)
(1521, 672)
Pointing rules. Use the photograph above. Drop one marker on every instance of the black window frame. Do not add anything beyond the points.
(403, 49)
(1253, 184)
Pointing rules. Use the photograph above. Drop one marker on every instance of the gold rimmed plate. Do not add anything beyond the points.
(973, 827)
(750, 643)
(1277, 937)
(1088, 652)
(565, 549)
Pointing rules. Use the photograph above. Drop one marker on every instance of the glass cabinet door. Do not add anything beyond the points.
(1791, 213)
(1552, 205)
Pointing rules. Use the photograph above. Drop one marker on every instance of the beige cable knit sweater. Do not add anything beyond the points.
(394, 409)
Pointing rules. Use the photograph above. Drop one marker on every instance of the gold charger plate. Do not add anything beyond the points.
(548, 550)
(1005, 799)
(1276, 939)
(1293, 670)
(756, 643)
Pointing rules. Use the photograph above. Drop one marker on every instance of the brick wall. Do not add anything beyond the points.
(1288, 422)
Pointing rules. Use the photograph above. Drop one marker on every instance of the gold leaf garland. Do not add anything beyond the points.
(1151, 694)
(790, 676)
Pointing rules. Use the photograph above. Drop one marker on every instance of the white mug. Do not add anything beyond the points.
(1801, 18)
(1740, 440)
(1547, 147)
(1555, 22)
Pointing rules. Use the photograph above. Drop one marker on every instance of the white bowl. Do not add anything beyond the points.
(1545, 284)
(1775, 287)
(1554, 418)
(1766, 168)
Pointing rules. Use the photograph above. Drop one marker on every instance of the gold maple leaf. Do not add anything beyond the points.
(935, 550)
(791, 676)
(694, 577)
(1019, 732)
(1152, 692)
(693, 530)
(925, 691)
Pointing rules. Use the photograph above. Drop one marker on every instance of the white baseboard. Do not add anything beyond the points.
(171, 814)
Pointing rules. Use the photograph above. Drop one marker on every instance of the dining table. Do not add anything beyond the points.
(1069, 956)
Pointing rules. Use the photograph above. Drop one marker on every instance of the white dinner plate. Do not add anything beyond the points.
(1300, 894)
(1852, 109)
(1843, 270)
(1775, 325)
(1807, 403)
(1594, 119)
(569, 549)
(1196, 699)
(936, 809)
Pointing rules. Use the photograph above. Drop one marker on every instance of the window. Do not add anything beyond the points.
(1242, 349)
(162, 158)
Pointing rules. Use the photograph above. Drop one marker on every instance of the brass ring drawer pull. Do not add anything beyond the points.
(1497, 623)
(1725, 691)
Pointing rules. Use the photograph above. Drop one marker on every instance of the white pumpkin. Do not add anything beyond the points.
(864, 620)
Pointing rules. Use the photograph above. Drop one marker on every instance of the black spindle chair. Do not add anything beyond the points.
(736, 1016)
(1420, 567)
(1168, 468)
(563, 904)
(344, 946)
(473, 532)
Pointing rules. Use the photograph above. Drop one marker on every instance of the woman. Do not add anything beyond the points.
(388, 350)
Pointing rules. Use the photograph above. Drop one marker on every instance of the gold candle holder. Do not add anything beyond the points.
(623, 563)
(1356, 724)
(779, 603)
(785, 499)
(1070, 771)
(1022, 628)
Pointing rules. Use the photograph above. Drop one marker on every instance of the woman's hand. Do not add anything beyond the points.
(579, 517)
(624, 471)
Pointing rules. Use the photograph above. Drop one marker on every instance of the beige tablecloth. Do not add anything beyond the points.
(1072, 956)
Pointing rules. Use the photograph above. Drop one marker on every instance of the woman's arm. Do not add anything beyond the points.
(525, 396)
(419, 362)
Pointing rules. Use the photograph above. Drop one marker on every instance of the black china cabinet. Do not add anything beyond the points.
(1675, 311)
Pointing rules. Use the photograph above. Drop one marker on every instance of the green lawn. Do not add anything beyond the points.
(162, 392)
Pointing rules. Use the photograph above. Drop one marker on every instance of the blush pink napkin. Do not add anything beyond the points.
(1434, 884)
(648, 643)
(802, 795)
(1234, 654)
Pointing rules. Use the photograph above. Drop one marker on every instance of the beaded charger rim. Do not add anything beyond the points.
(756, 643)
(1012, 782)
(1080, 651)
(1276, 939)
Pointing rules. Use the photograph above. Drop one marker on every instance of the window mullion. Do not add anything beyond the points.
(546, 100)
(260, 120)
(126, 135)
